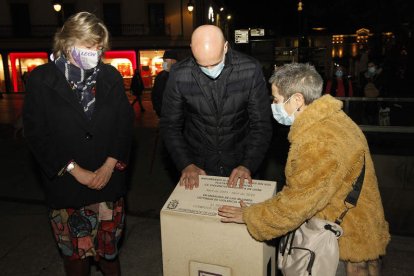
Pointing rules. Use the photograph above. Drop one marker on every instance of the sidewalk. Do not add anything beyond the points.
(27, 246)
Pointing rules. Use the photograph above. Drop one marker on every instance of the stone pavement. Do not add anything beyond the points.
(27, 246)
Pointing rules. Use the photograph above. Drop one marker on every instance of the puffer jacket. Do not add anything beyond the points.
(217, 124)
(326, 157)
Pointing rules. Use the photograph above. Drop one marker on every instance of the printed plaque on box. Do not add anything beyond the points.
(213, 192)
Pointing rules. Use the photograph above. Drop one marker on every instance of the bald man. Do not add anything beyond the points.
(216, 112)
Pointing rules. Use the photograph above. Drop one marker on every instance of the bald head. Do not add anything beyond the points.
(208, 45)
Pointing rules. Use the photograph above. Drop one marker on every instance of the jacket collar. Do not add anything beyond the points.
(57, 81)
(319, 110)
(201, 80)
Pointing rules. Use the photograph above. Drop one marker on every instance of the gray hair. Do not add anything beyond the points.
(80, 27)
(298, 78)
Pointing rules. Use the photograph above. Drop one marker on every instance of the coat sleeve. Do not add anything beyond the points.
(310, 185)
(172, 123)
(121, 144)
(37, 130)
(260, 123)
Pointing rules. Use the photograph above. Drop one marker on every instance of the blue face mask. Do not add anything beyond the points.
(213, 72)
(339, 74)
(280, 114)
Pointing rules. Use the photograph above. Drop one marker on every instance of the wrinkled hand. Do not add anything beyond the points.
(189, 176)
(103, 174)
(241, 173)
(232, 213)
(83, 176)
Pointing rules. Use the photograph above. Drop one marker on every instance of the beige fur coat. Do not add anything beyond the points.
(325, 157)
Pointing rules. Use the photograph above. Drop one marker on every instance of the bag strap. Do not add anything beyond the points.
(352, 197)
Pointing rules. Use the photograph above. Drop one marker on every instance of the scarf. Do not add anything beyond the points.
(82, 83)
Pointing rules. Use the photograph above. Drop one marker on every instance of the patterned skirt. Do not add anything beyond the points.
(93, 230)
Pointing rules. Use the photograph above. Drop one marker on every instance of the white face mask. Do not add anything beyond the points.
(215, 71)
(165, 66)
(86, 59)
(280, 114)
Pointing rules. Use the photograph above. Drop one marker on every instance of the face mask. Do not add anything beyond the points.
(372, 70)
(84, 58)
(280, 114)
(165, 66)
(213, 72)
(339, 74)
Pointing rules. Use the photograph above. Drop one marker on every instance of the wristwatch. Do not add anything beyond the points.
(70, 166)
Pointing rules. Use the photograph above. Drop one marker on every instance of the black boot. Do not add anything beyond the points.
(110, 268)
(76, 267)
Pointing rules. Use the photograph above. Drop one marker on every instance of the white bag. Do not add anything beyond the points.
(312, 249)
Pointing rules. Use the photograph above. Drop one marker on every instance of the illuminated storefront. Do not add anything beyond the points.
(2, 77)
(150, 66)
(20, 66)
(124, 61)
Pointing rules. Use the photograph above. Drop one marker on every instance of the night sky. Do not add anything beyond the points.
(338, 16)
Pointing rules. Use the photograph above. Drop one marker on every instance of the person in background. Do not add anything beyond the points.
(374, 85)
(78, 124)
(215, 117)
(169, 57)
(137, 87)
(327, 153)
(340, 85)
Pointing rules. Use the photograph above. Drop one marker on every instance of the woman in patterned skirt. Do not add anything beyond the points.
(78, 123)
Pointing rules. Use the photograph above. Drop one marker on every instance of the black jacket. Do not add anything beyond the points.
(217, 124)
(137, 85)
(57, 131)
(158, 91)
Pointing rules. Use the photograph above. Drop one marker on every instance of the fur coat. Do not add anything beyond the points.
(325, 158)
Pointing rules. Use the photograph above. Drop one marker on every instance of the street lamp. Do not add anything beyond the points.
(190, 6)
(300, 6)
(57, 6)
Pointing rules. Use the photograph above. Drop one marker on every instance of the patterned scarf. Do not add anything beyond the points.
(82, 83)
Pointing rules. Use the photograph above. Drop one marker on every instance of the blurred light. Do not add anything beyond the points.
(211, 14)
(221, 9)
(300, 6)
(319, 28)
(190, 6)
(57, 7)
(354, 49)
(229, 17)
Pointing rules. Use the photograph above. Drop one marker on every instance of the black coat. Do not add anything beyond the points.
(57, 131)
(137, 85)
(217, 133)
(158, 91)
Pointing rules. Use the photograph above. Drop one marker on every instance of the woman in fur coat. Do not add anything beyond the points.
(326, 156)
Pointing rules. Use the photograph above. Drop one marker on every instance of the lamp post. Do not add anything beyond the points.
(190, 6)
(300, 9)
(301, 51)
(58, 7)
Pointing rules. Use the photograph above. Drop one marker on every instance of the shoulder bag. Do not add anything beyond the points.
(312, 249)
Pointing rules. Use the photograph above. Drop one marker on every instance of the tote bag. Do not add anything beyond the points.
(312, 249)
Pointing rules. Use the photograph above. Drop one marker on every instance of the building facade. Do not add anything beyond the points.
(141, 30)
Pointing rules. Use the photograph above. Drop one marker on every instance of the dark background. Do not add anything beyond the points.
(338, 16)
